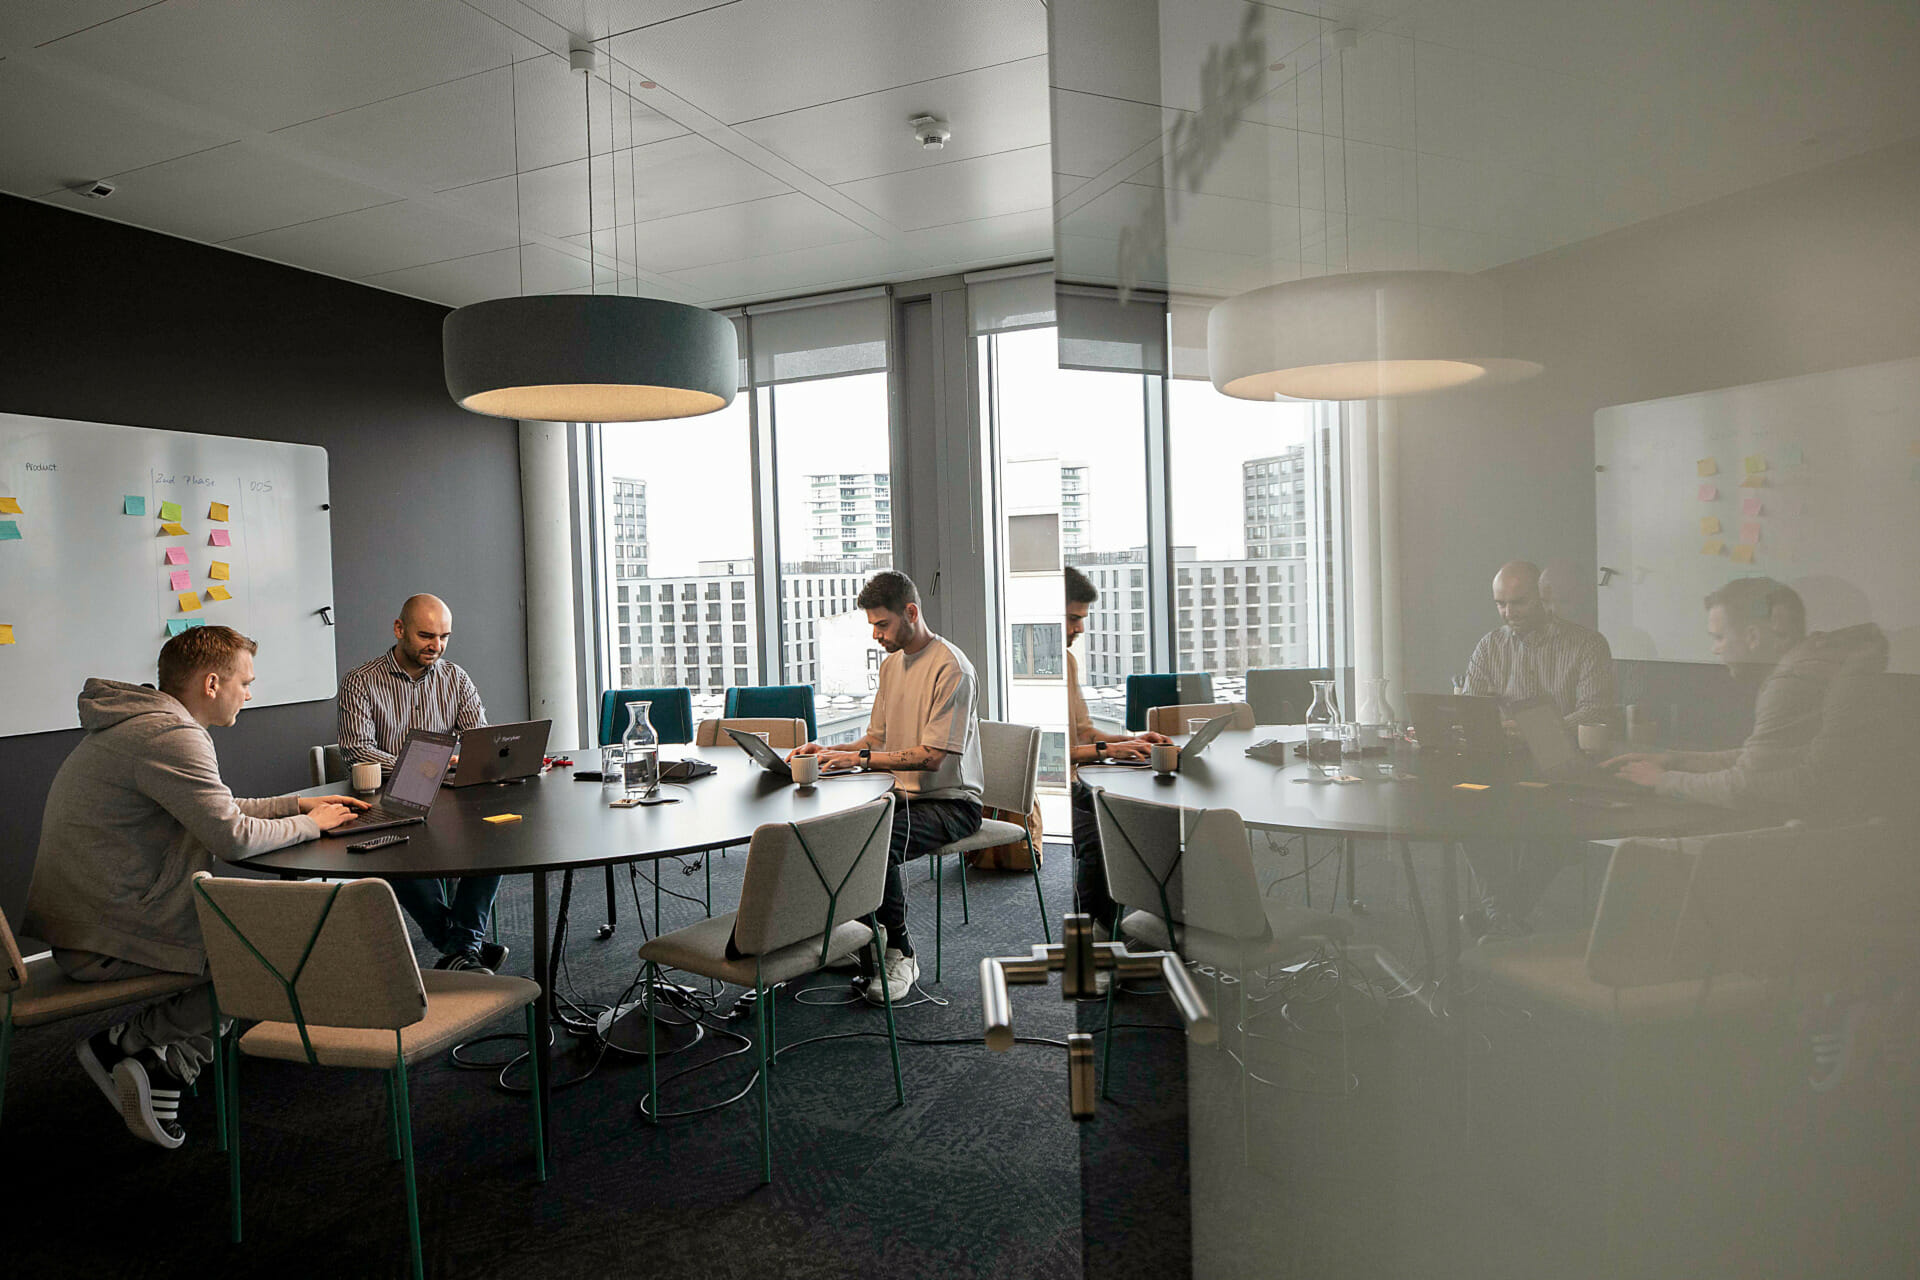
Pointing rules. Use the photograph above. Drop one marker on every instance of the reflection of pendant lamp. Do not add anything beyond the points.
(1359, 335)
(589, 357)
(1362, 335)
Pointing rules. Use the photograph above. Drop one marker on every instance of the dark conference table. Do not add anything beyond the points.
(1388, 804)
(566, 825)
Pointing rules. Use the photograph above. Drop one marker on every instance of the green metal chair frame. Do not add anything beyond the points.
(226, 1072)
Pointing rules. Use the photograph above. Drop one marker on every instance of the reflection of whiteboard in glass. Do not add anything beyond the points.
(1833, 509)
(88, 590)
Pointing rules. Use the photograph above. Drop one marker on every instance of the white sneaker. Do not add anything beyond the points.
(900, 973)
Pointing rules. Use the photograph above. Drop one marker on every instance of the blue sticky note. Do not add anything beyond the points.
(176, 625)
(9, 531)
(135, 505)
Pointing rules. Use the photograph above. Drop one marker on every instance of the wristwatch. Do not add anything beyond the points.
(866, 759)
(1099, 751)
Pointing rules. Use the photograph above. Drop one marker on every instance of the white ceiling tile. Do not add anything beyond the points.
(760, 58)
(1210, 42)
(1451, 192)
(980, 188)
(1091, 133)
(59, 132)
(448, 135)
(1001, 108)
(372, 241)
(599, 19)
(1454, 249)
(798, 271)
(749, 229)
(1248, 228)
(552, 121)
(234, 190)
(458, 281)
(550, 271)
(272, 65)
(25, 23)
(1009, 238)
(1252, 162)
(1380, 181)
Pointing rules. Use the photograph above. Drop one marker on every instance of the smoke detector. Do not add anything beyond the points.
(98, 189)
(931, 132)
(583, 57)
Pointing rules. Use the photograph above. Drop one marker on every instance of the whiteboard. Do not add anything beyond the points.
(86, 588)
(1819, 476)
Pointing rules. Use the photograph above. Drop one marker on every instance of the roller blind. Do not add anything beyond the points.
(819, 337)
(1099, 333)
(1187, 319)
(1016, 298)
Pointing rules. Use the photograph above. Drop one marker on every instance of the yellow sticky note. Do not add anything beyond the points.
(173, 531)
(6, 633)
(1712, 547)
(219, 593)
(170, 511)
(1755, 464)
(1471, 786)
(1707, 467)
(1742, 553)
(1754, 482)
(1709, 524)
(218, 511)
(189, 602)
(501, 817)
(1532, 786)
(10, 507)
(219, 570)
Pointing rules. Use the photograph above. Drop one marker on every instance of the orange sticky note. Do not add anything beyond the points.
(218, 511)
(1712, 547)
(173, 531)
(1709, 524)
(189, 602)
(1755, 464)
(1471, 786)
(1754, 482)
(1707, 467)
(501, 817)
(219, 593)
(219, 570)
(10, 507)
(1742, 553)
(6, 633)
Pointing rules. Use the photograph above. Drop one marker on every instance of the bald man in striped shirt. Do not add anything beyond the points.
(413, 686)
(1538, 654)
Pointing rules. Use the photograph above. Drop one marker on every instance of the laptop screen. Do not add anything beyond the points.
(415, 780)
(1554, 749)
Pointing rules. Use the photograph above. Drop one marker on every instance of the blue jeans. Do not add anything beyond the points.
(451, 928)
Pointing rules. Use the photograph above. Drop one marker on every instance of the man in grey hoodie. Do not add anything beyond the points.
(134, 812)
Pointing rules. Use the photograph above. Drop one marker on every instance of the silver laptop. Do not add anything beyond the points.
(1200, 741)
(411, 785)
(1556, 752)
(501, 752)
(772, 761)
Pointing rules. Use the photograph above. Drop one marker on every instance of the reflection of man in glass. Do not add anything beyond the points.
(1088, 746)
(1538, 654)
(1816, 699)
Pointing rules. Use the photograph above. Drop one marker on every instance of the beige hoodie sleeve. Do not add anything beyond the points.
(182, 775)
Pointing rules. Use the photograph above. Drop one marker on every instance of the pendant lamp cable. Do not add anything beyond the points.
(633, 188)
(593, 251)
(519, 246)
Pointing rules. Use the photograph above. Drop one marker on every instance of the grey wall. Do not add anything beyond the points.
(1817, 272)
(111, 324)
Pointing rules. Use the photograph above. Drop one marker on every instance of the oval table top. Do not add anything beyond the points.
(564, 823)
(1404, 796)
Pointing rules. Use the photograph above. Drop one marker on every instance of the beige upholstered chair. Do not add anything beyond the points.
(37, 992)
(782, 735)
(327, 975)
(326, 764)
(1172, 721)
(1010, 761)
(807, 899)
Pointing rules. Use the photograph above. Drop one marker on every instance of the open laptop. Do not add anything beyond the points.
(1458, 724)
(500, 752)
(770, 760)
(1556, 752)
(411, 786)
(1200, 741)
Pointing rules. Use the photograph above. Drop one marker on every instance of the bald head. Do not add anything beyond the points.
(421, 632)
(1516, 594)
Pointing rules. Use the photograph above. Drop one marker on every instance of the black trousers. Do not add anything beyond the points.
(919, 827)
(1089, 866)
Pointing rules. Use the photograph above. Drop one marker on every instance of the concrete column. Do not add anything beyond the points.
(547, 514)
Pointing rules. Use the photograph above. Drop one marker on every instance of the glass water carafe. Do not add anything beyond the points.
(1375, 717)
(1321, 718)
(641, 751)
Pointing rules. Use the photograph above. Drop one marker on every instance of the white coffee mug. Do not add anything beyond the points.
(366, 776)
(806, 769)
(1593, 737)
(1166, 757)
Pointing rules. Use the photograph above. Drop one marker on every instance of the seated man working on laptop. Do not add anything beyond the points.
(133, 813)
(413, 686)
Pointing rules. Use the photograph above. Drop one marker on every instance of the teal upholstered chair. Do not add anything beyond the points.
(671, 713)
(1164, 689)
(773, 702)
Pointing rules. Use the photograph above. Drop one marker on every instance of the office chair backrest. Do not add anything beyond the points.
(1190, 867)
(782, 734)
(671, 713)
(1281, 695)
(310, 953)
(1638, 918)
(781, 700)
(13, 965)
(1010, 757)
(1172, 720)
(327, 764)
(805, 879)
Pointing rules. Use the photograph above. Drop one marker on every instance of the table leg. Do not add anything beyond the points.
(543, 1042)
(1450, 909)
(1419, 906)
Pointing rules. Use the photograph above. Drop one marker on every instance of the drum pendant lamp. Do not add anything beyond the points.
(590, 357)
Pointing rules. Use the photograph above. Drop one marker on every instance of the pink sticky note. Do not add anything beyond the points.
(1750, 506)
(176, 555)
(1750, 532)
(1708, 493)
(181, 579)
(219, 538)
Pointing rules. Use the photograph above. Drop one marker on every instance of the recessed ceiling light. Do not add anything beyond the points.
(648, 84)
(1276, 66)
